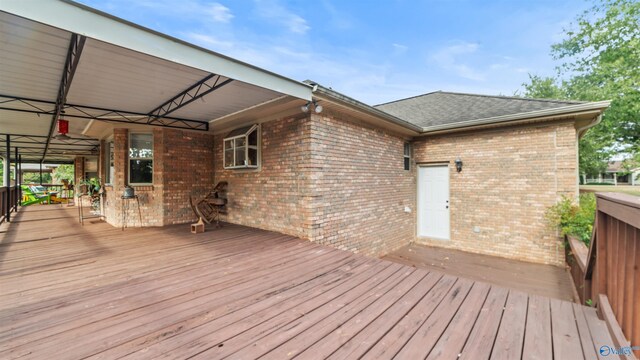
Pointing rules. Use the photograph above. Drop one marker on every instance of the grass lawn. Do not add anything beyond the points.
(627, 189)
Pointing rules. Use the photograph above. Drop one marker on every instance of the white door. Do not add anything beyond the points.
(433, 202)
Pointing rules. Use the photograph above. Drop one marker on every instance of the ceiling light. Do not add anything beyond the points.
(305, 107)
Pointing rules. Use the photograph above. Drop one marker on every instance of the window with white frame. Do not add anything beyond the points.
(241, 148)
(407, 156)
(140, 158)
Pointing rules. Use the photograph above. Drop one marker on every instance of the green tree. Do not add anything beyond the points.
(34, 178)
(63, 172)
(600, 58)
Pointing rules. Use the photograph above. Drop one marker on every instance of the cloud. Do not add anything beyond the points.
(277, 13)
(208, 41)
(220, 13)
(399, 49)
(448, 59)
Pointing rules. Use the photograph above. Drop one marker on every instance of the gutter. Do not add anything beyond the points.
(565, 110)
(583, 129)
(335, 97)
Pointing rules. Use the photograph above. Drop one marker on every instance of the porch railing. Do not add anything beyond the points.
(608, 273)
(9, 199)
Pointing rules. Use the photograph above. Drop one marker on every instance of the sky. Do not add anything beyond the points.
(373, 51)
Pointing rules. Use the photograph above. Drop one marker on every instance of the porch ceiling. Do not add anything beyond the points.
(61, 58)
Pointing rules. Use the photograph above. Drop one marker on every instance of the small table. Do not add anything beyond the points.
(125, 209)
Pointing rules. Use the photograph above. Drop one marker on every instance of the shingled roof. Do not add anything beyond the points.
(441, 108)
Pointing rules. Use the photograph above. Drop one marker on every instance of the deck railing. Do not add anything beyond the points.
(9, 198)
(608, 273)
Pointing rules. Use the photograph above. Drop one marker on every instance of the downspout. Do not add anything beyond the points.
(580, 131)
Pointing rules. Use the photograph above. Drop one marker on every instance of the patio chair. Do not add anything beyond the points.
(29, 197)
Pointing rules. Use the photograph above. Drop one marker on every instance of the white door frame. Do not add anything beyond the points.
(418, 201)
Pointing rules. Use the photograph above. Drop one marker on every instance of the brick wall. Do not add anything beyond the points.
(327, 179)
(187, 168)
(509, 178)
(182, 165)
(273, 197)
(360, 188)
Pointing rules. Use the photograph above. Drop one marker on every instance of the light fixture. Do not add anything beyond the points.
(458, 163)
(317, 107)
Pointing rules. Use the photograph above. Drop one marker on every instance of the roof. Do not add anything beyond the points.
(442, 108)
(60, 57)
(614, 166)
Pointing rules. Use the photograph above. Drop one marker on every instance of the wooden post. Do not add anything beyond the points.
(600, 282)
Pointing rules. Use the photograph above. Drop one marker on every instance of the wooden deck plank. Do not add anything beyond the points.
(485, 330)
(429, 332)
(295, 336)
(117, 328)
(347, 328)
(391, 343)
(539, 279)
(537, 339)
(510, 339)
(599, 332)
(588, 347)
(99, 292)
(358, 345)
(454, 337)
(220, 330)
(565, 336)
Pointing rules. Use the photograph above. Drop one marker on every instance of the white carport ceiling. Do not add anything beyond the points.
(123, 73)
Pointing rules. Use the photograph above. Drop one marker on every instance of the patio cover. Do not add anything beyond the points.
(60, 58)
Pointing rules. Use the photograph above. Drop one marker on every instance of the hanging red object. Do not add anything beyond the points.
(63, 126)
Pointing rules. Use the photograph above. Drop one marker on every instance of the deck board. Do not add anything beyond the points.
(545, 280)
(102, 293)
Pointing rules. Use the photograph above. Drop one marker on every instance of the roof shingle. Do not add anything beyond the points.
(441, 108)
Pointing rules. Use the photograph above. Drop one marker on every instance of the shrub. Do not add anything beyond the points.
(572, 219)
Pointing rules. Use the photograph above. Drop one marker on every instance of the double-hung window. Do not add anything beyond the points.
(241, 148)
(140, 158)
(407, 156)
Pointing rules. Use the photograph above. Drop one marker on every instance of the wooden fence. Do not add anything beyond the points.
(12, 194)
(608, 273)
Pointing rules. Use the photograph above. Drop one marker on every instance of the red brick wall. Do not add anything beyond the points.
(187, 168)
(274, 196)
(509, 178)
(182, 165)
(361, 189)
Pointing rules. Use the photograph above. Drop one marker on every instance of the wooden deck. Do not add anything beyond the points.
(98, 292)
(538, 279)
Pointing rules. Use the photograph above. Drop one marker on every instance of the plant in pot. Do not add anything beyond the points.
(91, 187)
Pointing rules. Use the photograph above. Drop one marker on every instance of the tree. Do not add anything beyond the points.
(63, 172)
(600, 61)
(34, 178)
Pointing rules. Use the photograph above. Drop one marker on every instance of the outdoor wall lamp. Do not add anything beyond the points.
(317, 107)
(458, 164)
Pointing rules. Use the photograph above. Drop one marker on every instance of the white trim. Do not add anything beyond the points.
(257, 147)
(84, 20)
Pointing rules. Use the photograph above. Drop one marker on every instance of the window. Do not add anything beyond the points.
(109, 172)
(407, 156)
(140, 158)
(241, 148)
